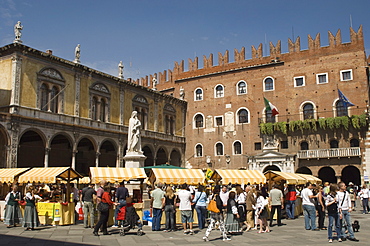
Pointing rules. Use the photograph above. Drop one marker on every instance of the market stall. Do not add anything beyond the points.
(283, 177)
(51, 212)
(177, 176)
(238, 176)
(310, 178)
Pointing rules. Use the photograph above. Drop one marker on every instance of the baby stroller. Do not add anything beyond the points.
(130, 219)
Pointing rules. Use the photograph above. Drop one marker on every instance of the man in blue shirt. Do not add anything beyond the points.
(121, 195)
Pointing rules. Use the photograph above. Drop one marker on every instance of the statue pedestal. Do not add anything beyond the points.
(134, 159)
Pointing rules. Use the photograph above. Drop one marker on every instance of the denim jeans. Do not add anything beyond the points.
(122, 203)
(309, 213)
(365, 205)
(169, 211)
(88, 209)
(157, 216)
(347, 218)
(334, 219)
(201, 212)
(290, 209)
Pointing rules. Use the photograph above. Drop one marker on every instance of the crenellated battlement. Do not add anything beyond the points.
(257, 57)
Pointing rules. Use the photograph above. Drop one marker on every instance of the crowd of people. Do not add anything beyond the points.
(237, 208)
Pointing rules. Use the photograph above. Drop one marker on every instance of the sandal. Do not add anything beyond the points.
(260, 232)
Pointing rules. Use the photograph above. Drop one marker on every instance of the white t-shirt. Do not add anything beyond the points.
(306, 200)
(224, 197)
(344, 201)
(185, 199)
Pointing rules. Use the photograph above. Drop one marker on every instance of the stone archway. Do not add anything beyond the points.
(60, 154)
(161, 157)
(149, 161)
(304, 170)
(327, 174)
(3, 143)
(271, 168)
(31, 150)
(351, 174)
(108, 154)
(175, 158)
(85, 156)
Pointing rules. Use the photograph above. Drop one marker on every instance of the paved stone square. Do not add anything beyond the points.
(292, 233)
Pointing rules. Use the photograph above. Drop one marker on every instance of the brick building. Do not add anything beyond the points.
(55, 112)
(227, 125)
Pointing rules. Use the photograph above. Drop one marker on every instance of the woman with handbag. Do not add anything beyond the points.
(31, 218)
(104, 206)
(261, 212)
(200, 201)
(215, 206)
(13, 213)
(169, 209)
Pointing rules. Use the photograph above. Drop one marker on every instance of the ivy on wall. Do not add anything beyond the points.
(357, 121)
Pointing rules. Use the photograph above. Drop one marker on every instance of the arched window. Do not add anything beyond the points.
(219, 149)
(308, 111)
(199, 150)
(219, 91)
(44, 97)
(54, 99)
(242, 88)
(304, 145)
(243, 116)
(198, 94)
(354, 142)
(334, 144)
(94, 108)
(237, 148)
(268, 84)
(102, 110)
(198, 120)
(270, 118)
(341, 109)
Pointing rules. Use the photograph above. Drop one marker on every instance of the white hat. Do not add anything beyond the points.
(350, 183)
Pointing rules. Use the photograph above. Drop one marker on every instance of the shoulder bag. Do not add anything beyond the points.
(212, 205)
(103, 207)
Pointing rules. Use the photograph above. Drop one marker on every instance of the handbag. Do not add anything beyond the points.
(212, 206)
(22, 202)
(103, 207)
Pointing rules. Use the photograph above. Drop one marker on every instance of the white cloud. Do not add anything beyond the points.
(8, 12)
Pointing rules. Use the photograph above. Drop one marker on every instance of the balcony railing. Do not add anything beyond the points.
(329, 153)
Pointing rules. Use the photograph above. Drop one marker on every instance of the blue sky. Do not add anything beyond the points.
(149, 35)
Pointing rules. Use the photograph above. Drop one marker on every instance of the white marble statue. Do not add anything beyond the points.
(182, 93)
(155, 82)
(18, 32)
(77, 53)
(120, 70)
(134, 137)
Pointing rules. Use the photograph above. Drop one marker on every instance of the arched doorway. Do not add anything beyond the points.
(60, 154)
(31, 151)
(108, 154)
(85, 157)
(161, 157)
(351, 174)
(327, 174)
(175, 158)
(149, 161)
(271, 168)
(3, 144)
(304, 170)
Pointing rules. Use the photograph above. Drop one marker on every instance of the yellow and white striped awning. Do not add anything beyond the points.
(118, 174)
(238, 176)
(291, 178)
(48, 174)
(310, 178)
(177, 176)
(9, 174)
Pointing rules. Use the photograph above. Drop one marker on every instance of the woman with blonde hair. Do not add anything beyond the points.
(31, 218)
(169, 209)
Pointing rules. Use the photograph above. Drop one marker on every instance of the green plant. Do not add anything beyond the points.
(337, 122)
(263, 128)
(313, 124)
(355, 122)
(322, 123)
(330, 123)
(306, 124)
(269, 128)
(345, 122)
(363, 120)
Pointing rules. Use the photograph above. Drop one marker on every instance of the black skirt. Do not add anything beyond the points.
(263, 214)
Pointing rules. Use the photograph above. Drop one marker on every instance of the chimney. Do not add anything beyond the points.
(49, 52)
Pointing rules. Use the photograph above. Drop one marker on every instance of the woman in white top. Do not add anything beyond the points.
(364, 194)
(241, 197)
(261, 211)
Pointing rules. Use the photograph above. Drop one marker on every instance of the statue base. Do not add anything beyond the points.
(134, 159)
